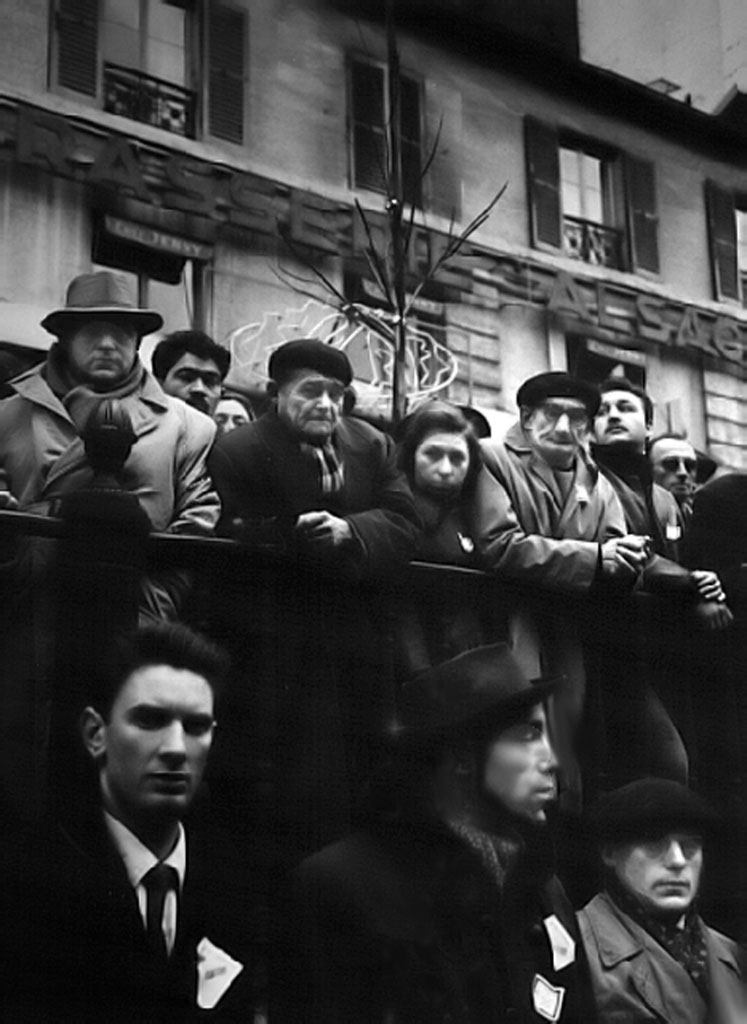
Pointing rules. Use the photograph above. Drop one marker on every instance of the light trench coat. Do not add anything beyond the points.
(636, 980)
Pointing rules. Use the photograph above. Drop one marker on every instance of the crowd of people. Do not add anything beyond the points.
(445, 760)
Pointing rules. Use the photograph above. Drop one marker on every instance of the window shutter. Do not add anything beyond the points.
(543, 179)
(226, 64)
(410, 131)
(722, 234)
(643, 220)
(77, 41)
(367, 106)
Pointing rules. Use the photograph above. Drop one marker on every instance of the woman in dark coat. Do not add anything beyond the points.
(438, 452)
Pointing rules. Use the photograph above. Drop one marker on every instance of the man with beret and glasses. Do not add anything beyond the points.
(651, 955)
(550, 524)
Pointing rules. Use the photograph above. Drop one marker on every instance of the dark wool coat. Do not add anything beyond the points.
(404, 925)
(81, 946)
(261, 472)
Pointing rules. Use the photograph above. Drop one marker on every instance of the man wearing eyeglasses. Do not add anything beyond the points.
(548, 520)
(674, 464)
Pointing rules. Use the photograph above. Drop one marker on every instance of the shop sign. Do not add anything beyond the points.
(214, 193)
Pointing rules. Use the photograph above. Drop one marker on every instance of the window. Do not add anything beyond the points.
(589, 201)
(142, 59)
(370, 104)
(727, 234)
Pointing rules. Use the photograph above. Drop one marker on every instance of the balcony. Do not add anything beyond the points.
(592, 243)
(149, 100)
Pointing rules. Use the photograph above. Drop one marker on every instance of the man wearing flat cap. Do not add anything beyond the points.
(329, 482)
(546, 518)
(323, 490)
(445, 907)
(95, 357)
(651, 955)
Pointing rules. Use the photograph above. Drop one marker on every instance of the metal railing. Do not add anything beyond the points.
(149, 100)
(592, 243)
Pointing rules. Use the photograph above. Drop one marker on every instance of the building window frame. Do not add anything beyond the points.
(367, 128)
(727, 241)
(212, 104)
(626, 236)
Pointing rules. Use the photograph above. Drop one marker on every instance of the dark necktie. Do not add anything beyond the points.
(158, 881)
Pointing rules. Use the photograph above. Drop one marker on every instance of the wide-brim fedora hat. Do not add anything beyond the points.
(476, 691)
(649, 808)
(102, 295)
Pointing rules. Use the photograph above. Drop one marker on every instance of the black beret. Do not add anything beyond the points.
(650, 808)
(309, 354)
(469, 692)
(557, 384)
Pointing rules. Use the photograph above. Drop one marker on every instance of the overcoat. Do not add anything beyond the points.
(636, 980)
(42, 457)
(549, 543)
(403, 924)
(262, 473)
(310, 637)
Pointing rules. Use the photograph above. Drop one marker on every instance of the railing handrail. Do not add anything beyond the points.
(138, 75)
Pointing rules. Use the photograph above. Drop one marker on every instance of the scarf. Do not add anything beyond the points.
(497, 853)
(80, 399)
(331, 471)
(685, 943)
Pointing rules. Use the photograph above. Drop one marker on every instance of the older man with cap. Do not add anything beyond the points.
(546, 518)
(325, 484)
(446, 906)
(95, 357)
(322, 490)
(651, 955)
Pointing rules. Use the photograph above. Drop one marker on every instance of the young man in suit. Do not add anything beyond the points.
(126, 913)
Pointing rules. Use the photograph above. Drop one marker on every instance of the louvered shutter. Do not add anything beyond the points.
(643, 220)
(722, 234)
(77, 43)
(543, 181)
(410, 132)
(367, 107)
(227, 29)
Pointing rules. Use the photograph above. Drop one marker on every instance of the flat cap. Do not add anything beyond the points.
(650, 808)
(556, 384)
(309, 354)
(475, 690)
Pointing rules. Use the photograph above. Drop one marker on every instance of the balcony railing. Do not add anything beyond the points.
(149, 100)
(592, 243)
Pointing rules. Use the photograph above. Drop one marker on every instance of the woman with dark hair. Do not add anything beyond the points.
(439, 454)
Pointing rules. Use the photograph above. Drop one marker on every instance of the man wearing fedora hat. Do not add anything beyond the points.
(651, 955)
(445, 907)
(95, 357)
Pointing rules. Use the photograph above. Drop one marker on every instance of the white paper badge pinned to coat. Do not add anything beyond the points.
(563, 945)
(216, 970)
(547, 998)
